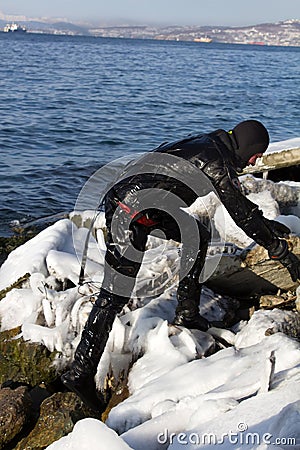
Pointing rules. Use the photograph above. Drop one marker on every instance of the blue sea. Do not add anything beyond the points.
(69, 105)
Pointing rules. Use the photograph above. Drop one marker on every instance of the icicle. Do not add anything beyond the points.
(48, 312)
(268, 373)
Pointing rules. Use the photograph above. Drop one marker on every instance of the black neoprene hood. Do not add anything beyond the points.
(251, 138)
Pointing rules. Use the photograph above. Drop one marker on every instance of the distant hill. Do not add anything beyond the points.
(284, 33)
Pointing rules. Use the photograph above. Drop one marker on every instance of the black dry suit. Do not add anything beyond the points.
(140, 202)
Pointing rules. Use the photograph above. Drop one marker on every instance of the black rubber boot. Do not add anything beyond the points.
(81, 376)
(85, 388)
(194, 323)
(187, 312)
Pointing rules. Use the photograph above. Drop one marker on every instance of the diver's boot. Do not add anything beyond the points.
(191, 322)
(187, 312)
(84, 386)
(81, 376)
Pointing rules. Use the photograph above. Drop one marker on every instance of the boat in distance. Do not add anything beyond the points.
(14, 28)
(204, 39)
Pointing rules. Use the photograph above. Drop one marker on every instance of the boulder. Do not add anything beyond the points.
(252, 273)
(25, 362)
(14, 412)
(58, 415)
(285, 301)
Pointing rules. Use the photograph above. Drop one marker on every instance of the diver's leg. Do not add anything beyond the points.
(189, 289)
(119, 277)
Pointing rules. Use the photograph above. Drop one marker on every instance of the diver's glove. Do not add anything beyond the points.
(288, 259)
(279, 229)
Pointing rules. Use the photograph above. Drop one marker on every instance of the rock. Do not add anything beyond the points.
(17, 284)
(297, 302)
(290, 325)
(287, 196)
(119, 393)
(25, 362)
(253, 274)
(58, 415)
(14, 412)
(277, 301)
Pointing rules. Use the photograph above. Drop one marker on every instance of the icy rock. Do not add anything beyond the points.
(266, 323)
(206, 391)
(66, 266)
(58, 414)
(251, 420)
(266, 203)
(283, 193)
(255, 273)
(31, 256)
(14, 412)
(17, 306)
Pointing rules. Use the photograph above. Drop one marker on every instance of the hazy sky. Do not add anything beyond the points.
(202, 12)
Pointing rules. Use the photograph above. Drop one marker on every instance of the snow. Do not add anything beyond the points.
(179, 395)
(30, 257)
(100, 437)
(283, 145)
(275, 320)
(231, 232)
(292, 222)
(197, 392)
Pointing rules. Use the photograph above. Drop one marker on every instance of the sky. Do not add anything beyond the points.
(182, 12)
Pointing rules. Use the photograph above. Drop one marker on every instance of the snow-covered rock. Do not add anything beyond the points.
(90, 434)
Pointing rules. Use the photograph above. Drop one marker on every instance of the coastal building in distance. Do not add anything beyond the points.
(286, 33)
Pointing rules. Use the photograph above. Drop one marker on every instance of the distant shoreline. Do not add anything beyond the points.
(280, 34)
(171, 41)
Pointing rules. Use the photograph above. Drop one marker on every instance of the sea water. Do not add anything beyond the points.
(69, 105)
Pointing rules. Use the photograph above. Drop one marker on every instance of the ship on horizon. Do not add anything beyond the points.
(204, 39)
(14, 28)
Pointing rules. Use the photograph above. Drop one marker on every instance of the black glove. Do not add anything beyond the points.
(288, 259)
(278, 228)
(292, 263)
